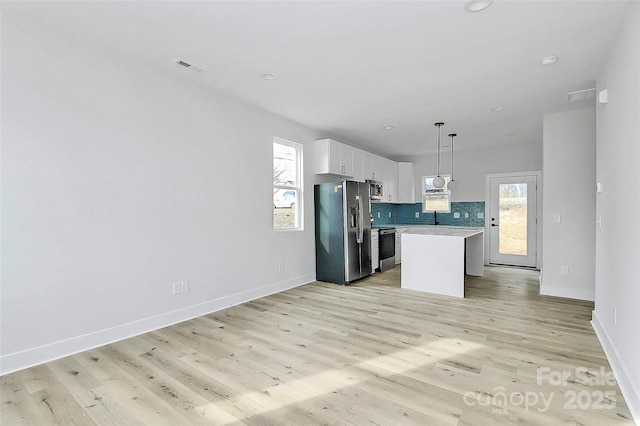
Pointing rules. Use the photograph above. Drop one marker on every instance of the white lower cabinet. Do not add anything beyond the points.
(375, 254)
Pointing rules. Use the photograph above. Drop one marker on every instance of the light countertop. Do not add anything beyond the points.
(445, 231)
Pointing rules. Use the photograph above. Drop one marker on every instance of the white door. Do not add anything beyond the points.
(512, 221)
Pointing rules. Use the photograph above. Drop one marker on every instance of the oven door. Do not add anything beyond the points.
(387, 248)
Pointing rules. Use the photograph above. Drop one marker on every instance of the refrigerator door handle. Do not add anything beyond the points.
(360, 220)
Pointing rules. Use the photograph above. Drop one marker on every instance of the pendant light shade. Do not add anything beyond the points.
(452, 183)
(438, 181)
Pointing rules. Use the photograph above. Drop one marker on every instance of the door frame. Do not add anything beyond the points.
(487, 213)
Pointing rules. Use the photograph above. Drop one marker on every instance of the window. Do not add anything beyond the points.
(287, 185)
(435, 199)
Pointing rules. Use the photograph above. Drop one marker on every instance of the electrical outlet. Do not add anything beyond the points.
(417, 215)
(176, 287)
(389, 215)
(480, 215)
(564, 270)
(184, 286)
(466, 215)
(556, 217)
(378, 215)
(456, 215)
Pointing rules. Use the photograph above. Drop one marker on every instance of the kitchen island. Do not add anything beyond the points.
(434, 259)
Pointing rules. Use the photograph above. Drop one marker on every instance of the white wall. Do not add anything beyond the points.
(569, 173)
(118, 180)
(618, 241)
(471, 167)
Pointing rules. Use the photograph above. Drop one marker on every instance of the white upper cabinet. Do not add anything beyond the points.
(358, 165)
(346, 160)
(406, 183)
(371, 166)
(336, 158)
(389, 177)
(333, 157)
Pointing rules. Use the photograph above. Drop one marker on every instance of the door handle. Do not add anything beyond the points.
(493, 224)
(359, 217)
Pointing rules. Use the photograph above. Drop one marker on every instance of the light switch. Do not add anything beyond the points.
(603, 96)
(599, 187)
(417, 215)
(556, 217)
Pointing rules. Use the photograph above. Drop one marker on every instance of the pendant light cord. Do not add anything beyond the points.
(452, 135)
(438, 150)
(438, 125)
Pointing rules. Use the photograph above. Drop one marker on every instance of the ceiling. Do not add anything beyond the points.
(351, 68)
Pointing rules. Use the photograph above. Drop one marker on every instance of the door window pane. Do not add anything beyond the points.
(513, 219)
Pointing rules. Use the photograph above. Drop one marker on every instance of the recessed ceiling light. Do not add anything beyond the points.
(387, 128)
(477, 5)
(499, 108)
(549, 60)
(269, 76)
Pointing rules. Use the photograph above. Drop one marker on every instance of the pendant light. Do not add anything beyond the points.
(452, 183)
(438, 181)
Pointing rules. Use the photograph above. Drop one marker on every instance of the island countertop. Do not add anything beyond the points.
(446, 231)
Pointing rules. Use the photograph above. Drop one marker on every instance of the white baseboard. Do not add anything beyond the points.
(629, 391)
(35, 356)
(570, 293)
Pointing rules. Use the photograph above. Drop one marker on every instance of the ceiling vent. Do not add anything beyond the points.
(581, 95)
(191, 67)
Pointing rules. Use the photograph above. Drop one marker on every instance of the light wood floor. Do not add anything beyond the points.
(366, 354)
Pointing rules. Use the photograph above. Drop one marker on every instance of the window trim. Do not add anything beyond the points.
(444, 191)
(299, 208)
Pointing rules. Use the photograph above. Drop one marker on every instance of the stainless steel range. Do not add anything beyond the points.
(387, 248)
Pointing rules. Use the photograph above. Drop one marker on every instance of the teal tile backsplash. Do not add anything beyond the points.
(405, 214)
(383, 213)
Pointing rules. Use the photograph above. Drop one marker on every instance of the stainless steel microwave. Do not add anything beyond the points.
(375, 189)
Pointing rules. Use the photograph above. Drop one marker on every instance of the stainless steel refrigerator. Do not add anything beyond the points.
(343, 231)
